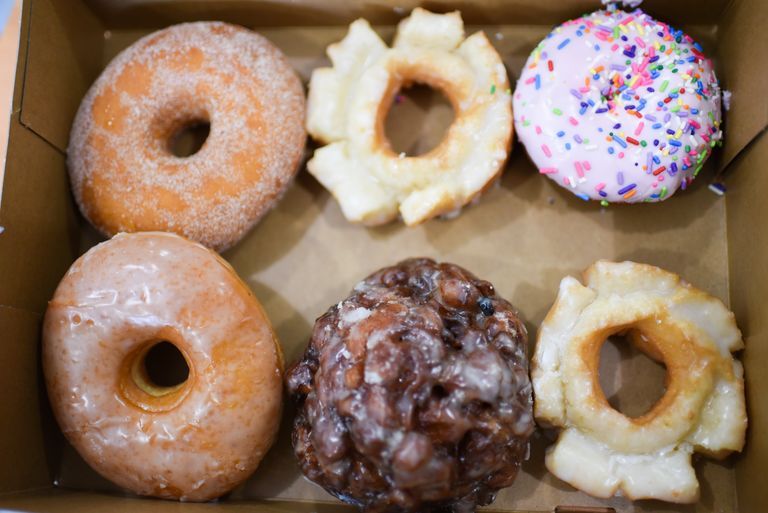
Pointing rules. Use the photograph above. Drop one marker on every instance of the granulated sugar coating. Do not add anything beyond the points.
(125, 177)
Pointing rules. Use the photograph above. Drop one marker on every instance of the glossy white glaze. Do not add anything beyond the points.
(193, 442)
(600, 450)
(619, 107)
(347, 105)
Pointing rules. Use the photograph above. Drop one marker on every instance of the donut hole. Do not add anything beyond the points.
(631, 381)
(165, 366)
(417, 120)
(189, 138)
(156, 376)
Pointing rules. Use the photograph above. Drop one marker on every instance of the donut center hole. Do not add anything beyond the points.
(631, 381)
(189, 138)
(417, 120)
(165, 367)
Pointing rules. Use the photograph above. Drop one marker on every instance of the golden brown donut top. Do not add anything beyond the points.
(124, 176)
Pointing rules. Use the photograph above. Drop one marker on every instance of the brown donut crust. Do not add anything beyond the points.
(413, 393)
(123, 173)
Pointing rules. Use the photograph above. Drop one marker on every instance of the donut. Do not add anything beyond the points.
(618, 107)
(348, 104)
(193, 441)
(124, 175)
(600, 450)
(413, 393)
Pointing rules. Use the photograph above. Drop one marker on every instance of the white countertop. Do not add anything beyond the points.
(10, 24)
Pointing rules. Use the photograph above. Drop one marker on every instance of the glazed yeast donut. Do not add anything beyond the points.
(348, 104)
(125, 177)
(601, 451)
(618, 107)
(194, 441)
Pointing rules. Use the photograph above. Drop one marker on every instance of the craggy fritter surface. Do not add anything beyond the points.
(413, 393)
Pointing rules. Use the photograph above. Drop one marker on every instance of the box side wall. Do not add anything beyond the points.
(63, 60)
(41, 225)
(9, 50)
(159, 13)
(38, 243)
(742, 54)
(23, 459)
(46, 228)
(748, 248)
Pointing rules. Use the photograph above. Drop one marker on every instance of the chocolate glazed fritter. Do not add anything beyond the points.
(413, 393)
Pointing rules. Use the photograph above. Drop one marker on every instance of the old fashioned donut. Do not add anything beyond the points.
(348, 104)
(618, 107)
(604, 452)
(194, 441)
(413, 393)
(124, 175)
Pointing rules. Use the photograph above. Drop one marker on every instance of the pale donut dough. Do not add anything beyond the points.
(600, 450)
(348, 103)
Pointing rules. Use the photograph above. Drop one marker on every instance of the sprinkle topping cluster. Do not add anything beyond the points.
(618, 107)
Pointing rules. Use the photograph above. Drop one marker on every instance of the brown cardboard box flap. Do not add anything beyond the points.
(263, 13)
(63, 71)
(40, 237)
(22, 448)
(743, 55)
(524, 235)
(63, 60)
(749, 279)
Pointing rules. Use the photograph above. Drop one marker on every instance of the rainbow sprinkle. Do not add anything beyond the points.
(644, 107)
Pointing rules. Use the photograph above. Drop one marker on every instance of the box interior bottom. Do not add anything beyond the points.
(524, 236)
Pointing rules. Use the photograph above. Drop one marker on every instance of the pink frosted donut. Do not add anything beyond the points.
(193, 441)
(124, 175)
(618, 107)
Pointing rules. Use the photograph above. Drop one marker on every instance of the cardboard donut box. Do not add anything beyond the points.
(523, 236)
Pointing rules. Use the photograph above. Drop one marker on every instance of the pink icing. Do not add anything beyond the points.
(618, 107)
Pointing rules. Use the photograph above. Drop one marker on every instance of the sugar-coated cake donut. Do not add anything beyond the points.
(413, 393)
(348, 104)
(618, 107)
(600, 450)
(193, 441)
(123, 173)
